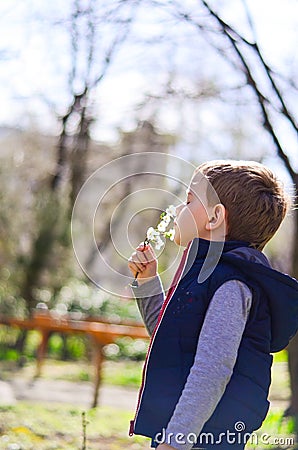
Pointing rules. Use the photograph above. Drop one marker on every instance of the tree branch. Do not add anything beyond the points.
(254, 45)
(232, 36)
(120, 38)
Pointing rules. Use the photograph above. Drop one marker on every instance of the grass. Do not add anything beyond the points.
(31, 426)
(120, 373)
(280, 356)
(275, 427)
(36, 426)
(56, 426)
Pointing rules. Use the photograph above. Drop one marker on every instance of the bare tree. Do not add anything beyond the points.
(88, 68)
(245, 55)
(267, 104)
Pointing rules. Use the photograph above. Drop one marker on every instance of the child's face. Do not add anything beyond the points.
(193, 215)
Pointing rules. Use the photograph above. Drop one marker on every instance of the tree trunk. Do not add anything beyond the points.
(293, 346)
(80, 152)
(46, 238)
(21, 341)
(293, 370)
(41, 248)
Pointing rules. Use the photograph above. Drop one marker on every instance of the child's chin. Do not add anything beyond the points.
(177, 238)
(178, 241)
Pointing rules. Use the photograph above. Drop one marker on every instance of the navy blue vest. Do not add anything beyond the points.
(174, 343)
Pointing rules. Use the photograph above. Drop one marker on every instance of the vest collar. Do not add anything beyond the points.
(207, 254)
(202, 246)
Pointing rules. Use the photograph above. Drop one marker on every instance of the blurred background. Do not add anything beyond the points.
(83, 82)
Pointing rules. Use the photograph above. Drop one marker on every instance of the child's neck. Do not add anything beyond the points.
(215, 235)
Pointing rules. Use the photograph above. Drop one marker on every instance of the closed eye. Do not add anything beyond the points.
(188, 199)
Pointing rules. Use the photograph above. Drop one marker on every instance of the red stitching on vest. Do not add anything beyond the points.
(170, 294)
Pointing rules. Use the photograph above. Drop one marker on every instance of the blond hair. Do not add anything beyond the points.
(255, 200)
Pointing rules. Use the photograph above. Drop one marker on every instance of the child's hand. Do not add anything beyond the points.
(143, 261)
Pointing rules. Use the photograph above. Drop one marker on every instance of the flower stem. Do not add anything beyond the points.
(135, 282)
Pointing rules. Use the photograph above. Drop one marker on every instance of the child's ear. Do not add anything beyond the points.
(217, 217)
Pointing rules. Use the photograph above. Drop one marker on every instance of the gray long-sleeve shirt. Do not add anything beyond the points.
(215, 357)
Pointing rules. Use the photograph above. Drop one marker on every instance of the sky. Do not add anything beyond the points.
(35, 60)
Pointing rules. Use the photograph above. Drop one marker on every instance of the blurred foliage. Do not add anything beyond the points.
(67, 347)
(26, 208)
(84, 300)
(281, 356)
(119, 373)
(126, 348)
(36, 258)
(46, 427)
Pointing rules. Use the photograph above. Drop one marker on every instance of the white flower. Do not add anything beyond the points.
(158, 243)
(171, 234)
(162, 226)
(152, 234)
(167, 219)
(171, 211)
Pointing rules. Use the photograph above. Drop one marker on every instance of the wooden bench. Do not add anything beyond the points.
(101, 332)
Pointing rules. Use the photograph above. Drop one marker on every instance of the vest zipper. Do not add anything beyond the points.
(171, 291)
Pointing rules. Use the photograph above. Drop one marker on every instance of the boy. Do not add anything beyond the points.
(207, 372)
